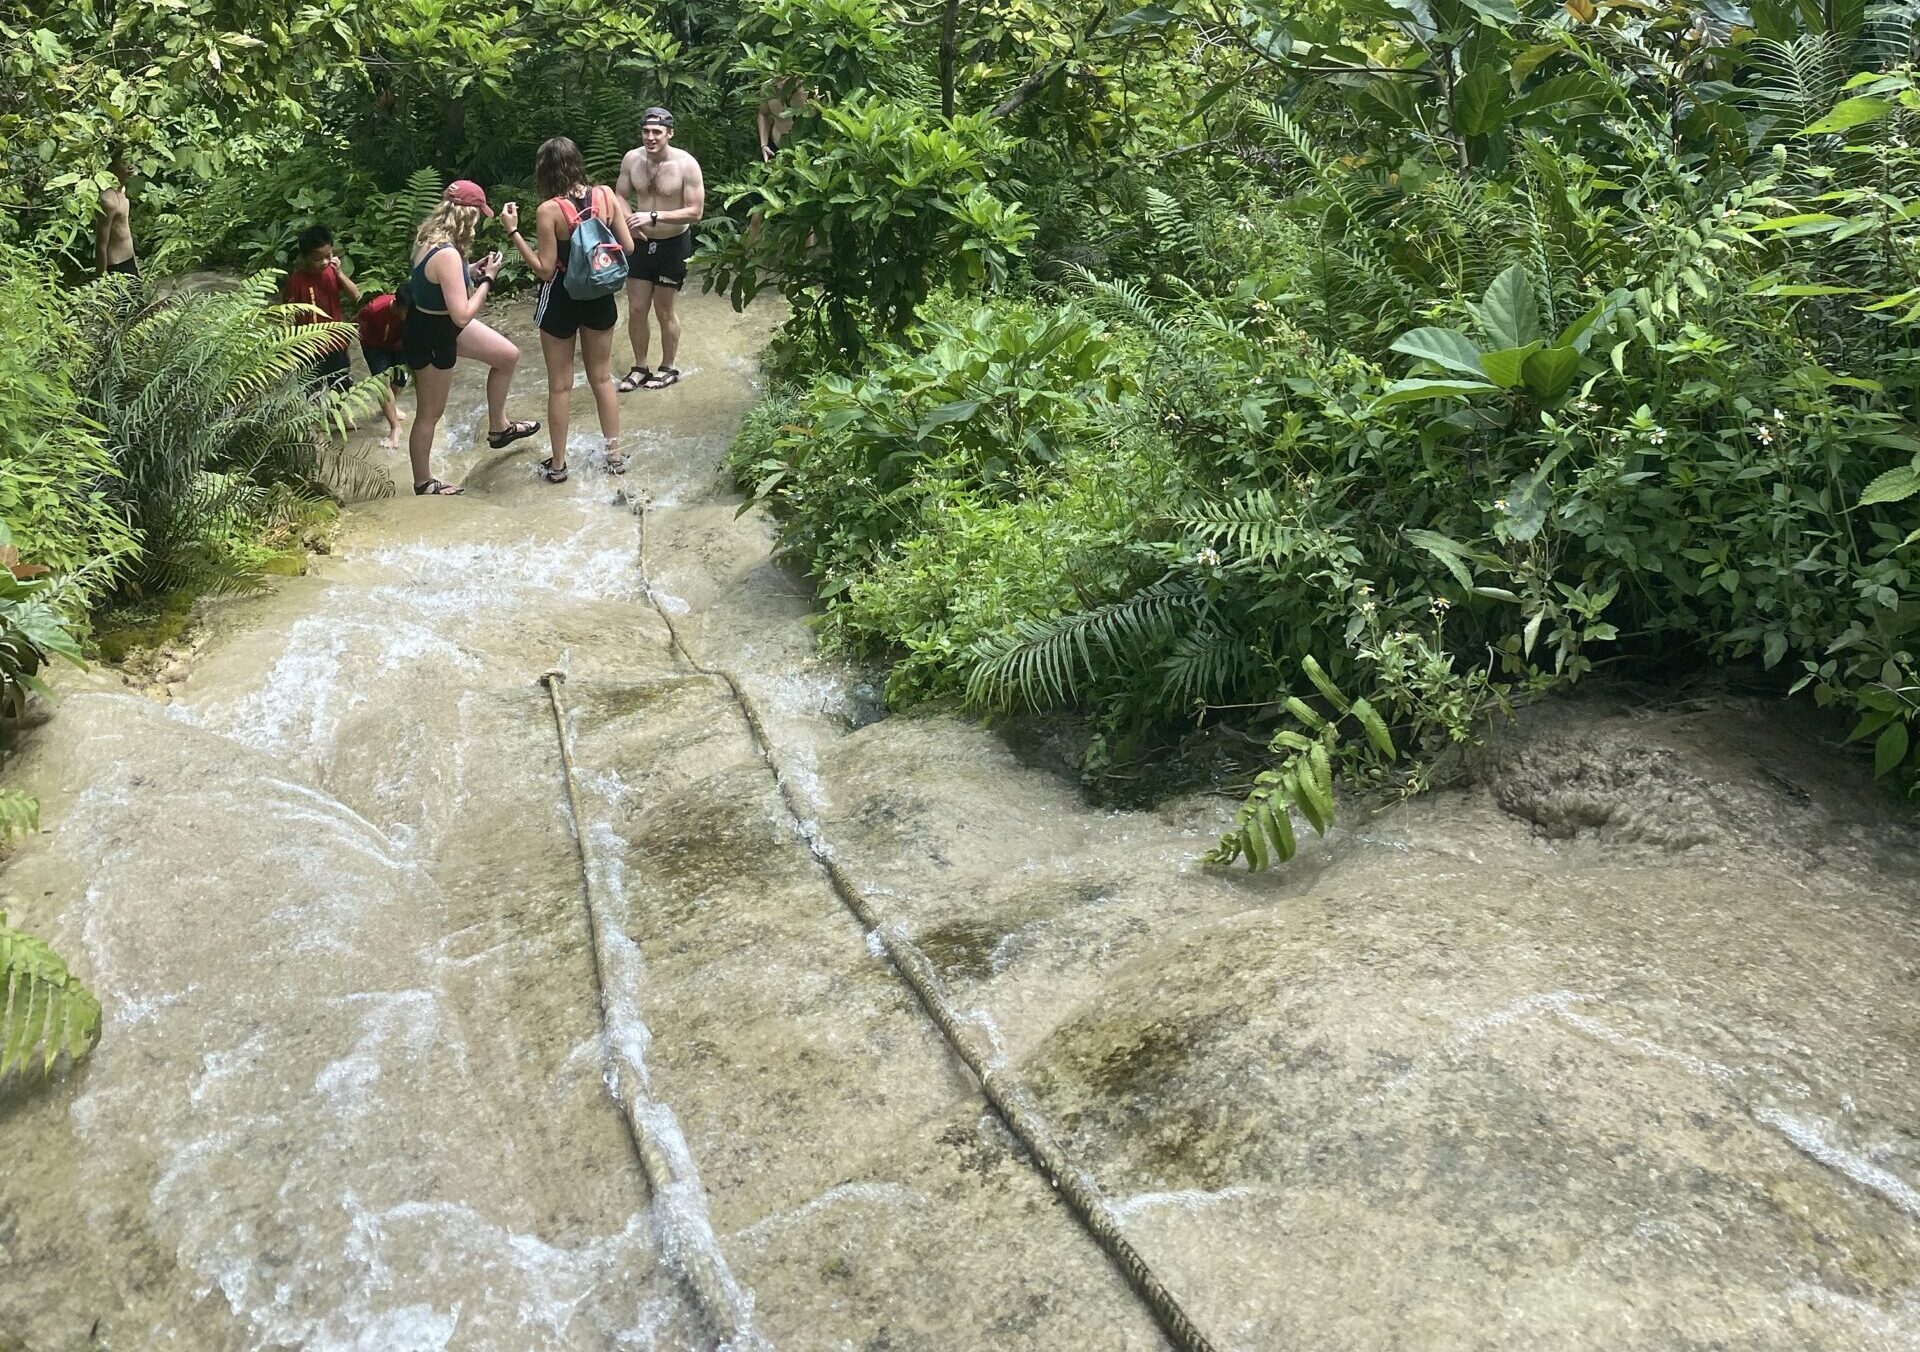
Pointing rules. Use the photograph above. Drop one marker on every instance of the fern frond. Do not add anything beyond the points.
(1117, 298)
(44, 1010)
(1046, 662)
(19, 815)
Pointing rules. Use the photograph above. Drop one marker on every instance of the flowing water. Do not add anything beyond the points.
(1614, 1049)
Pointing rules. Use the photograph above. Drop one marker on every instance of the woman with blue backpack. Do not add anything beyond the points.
(580, 255)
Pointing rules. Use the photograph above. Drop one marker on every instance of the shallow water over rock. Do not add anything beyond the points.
(1615, 1049)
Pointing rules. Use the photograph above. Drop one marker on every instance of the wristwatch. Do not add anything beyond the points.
(655, 220)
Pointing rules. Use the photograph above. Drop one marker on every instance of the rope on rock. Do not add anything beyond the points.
(700, 1266)
(1008, 1097)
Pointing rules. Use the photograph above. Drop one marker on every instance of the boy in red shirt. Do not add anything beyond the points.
(316, 281)
(382, 322)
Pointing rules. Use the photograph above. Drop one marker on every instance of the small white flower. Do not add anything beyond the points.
(1209, 557)
(1778, 416)
(1657, 435)
(1499, 504)
(1765, 434)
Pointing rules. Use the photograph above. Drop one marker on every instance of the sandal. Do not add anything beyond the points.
(616, 461)
(433, 488)
(665, 376)
(634, 379)
(552, 475)
(511, 433)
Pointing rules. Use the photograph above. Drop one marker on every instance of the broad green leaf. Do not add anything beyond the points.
(1805, 222)
(1890, 750)
(1451, 553)
(1849, 113)
(1443, 347)
(1147, 16)
(1896, 485)
(1509, 314)
(1550, 372)
(1410, 391)
(1479, 100)
(1504, 367)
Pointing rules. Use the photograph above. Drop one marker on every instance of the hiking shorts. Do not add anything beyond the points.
(662, 262)
(430, 340)
(558, 314)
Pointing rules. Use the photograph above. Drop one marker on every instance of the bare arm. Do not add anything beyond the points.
(616, 219)
(100, 242)
(626, 187)
(346, 285)
(766, 132)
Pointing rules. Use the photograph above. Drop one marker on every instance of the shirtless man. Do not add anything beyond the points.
(784, 99)
(667, 196)
(113, 239)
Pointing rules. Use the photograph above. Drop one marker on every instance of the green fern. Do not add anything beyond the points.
(1119, 299)
(1262, 833)
(44, 1010)
(1046, 662)
(202, 401)
(19, 815)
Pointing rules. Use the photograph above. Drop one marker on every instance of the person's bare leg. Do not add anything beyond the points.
(596, 354)
(639, 306)
(663, 299)
(390, 409)
(559, 357)
(430, 387)
(501, 356)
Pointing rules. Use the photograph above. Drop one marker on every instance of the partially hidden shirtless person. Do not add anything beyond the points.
(666, 196)
(113, 238)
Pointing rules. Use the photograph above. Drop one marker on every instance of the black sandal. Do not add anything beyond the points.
(433, 488)
(634, 378)
(552, 475)
(665, 376)
(511, 433)
(616, 460)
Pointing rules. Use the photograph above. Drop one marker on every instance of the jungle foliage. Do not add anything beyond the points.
(1430, 355)
(1323, 376)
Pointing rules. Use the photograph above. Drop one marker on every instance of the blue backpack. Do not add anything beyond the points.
(596, 264)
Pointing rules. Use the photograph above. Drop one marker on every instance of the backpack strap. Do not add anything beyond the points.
(573, 214)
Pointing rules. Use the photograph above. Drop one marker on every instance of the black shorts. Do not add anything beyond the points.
(129, 267)
(382, 361)
(331, 371)
(559, 314)
(430, 340)
(662, 261)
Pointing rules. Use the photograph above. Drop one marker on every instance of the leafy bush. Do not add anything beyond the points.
(887, 204)
(1554, 361)
(200, 400)
(55, 507)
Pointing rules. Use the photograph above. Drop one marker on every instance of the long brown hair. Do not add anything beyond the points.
(557, 167)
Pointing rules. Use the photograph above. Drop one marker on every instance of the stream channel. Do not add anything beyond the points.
(1614, 1047)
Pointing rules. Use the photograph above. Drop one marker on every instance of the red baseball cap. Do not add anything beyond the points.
(466, 193)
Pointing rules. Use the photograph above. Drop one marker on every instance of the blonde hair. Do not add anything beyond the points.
(450, 223)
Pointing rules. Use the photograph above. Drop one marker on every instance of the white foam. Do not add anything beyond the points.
(1183, 1199)
(1808, 1136)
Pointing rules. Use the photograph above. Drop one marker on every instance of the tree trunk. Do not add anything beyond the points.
(949, 51)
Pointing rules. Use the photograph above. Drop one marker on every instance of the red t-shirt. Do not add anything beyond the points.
(379, 325)
(314, 288)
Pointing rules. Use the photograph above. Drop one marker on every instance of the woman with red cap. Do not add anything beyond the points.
(443, 325)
